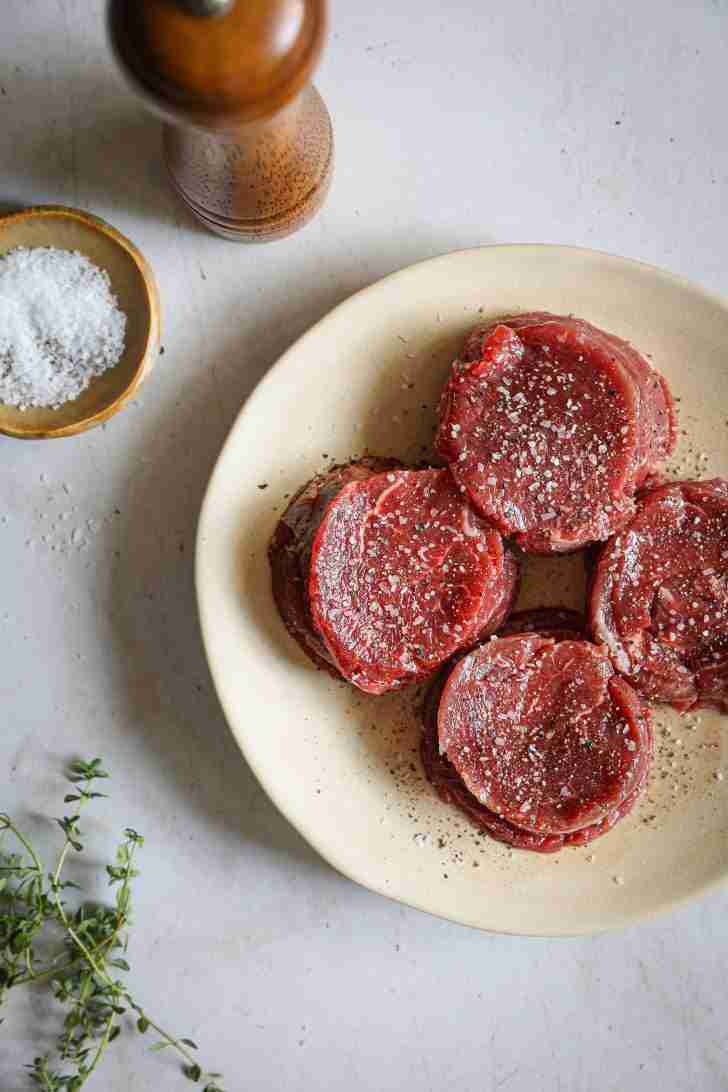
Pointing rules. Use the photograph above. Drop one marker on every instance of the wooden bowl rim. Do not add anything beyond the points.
(94, 222)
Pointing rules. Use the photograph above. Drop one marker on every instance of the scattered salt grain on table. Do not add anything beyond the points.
(60, 326)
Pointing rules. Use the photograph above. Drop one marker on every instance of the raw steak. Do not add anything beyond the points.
(543, 732)
(382, 575)
(550, 425)
(450, 788)
(659, 595)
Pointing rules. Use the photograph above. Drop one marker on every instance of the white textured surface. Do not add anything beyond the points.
(457, 124)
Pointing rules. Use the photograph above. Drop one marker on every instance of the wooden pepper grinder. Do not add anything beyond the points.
(247, 139)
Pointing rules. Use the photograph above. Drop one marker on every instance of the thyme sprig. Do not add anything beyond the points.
(91, 950)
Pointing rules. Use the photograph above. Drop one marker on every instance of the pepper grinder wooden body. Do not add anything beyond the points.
(248, 139)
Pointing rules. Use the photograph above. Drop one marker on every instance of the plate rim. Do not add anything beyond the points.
(626, 918)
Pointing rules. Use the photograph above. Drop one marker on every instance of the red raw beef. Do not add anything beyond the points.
(289, 552)
(550, 425)
(381, 575)
(544, 733)
(659, 595)
(602, 753)
(450, 788)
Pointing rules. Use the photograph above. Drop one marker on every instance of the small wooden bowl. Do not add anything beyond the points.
(133, 284)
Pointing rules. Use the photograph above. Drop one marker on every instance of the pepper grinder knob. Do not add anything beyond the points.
(247, 138)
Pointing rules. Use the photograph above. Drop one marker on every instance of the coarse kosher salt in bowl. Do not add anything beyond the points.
(79, 322)
(60, 326)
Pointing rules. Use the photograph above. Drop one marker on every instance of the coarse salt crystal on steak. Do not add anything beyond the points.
(659, 595)
(550, 425)
(382, 573)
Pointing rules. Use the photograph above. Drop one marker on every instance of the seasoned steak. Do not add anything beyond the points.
(659, 595)
(382, 574)
(550, 425)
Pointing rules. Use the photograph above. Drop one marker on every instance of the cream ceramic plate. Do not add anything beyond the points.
(343, 766)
